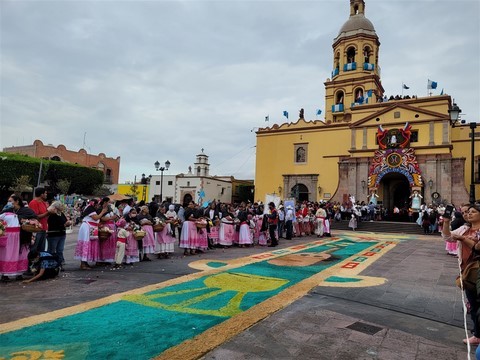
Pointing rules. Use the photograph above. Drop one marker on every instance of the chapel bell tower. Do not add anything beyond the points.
(201, 166)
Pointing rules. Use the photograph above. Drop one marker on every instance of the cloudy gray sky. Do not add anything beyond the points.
(157, 80)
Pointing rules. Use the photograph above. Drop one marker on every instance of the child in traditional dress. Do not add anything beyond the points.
(171, 214)
(122, 236)
(353, 223)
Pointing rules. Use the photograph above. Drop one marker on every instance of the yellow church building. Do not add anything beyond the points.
(369, 146)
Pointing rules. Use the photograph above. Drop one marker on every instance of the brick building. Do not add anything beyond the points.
(109, 166)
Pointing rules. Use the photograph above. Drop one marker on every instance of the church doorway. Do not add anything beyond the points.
(300, 192)
(396, 192)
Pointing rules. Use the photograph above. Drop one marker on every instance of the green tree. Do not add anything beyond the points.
(64, 185)
(133, 191)
(101, 191)
(21, 184)
(83, 179)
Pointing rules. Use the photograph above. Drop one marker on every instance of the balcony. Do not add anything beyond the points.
(337, 108)
(368, 66)
(335, 72)
(350, 66)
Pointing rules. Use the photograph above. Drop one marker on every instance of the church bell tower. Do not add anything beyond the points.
(355, 79)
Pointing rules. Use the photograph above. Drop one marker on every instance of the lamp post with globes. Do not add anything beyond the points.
(454, 112)
(161, 169)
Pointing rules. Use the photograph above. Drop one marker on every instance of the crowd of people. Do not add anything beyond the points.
(122, 233)
(21, 252)
(125, 232)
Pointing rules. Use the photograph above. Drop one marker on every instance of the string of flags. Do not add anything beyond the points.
(430, 86)
(318, 112)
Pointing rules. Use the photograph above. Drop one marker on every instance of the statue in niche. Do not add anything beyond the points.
(301, 116)
(300, 155)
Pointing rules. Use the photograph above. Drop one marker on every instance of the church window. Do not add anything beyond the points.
(359, 96)
(337, 60)
(55, 158)
(300, 153)
(339, 98)
(198, 171)
(414, 136)
(350, 55)
(367, 52)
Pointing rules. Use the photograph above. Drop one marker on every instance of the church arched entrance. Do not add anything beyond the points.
(300, 192)
(395, 189)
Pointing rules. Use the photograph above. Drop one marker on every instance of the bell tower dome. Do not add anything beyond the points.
(355, 79)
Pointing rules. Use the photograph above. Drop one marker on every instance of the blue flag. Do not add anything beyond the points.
(431, 84)
(441, 92)
(319, 112)
(406, 87)
(369, 93)
(285, 113)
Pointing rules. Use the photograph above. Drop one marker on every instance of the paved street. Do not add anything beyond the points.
(416, 313)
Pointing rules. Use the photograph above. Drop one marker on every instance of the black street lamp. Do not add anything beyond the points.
(473, 126)
(454, 112)
(161, 169)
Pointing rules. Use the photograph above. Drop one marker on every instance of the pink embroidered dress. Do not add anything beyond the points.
(188, 237)
(165, 241)
(226, 235)
(88, 248)
(13, 256)
(148, 240)
(109, 246)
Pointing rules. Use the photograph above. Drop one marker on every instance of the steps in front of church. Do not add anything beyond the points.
(381, 227)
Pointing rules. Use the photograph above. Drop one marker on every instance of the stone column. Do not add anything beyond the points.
(354, 139)
(430, 173)
(460, 193)
(364, 145)
(432, 133)
(445, 132)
